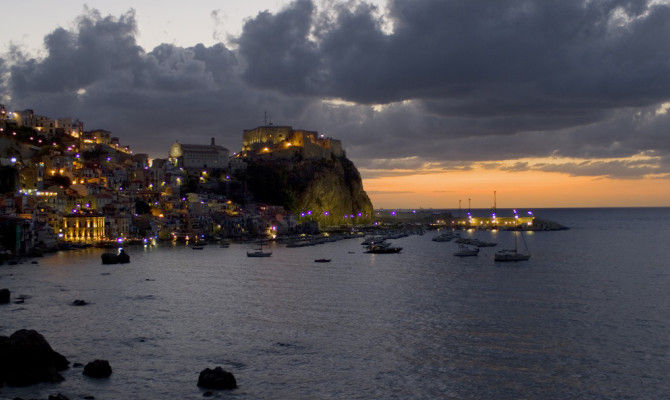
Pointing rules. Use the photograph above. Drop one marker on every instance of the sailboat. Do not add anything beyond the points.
(258, 252)
(513, 254)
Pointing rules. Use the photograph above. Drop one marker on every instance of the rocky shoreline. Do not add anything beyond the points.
(26, 359)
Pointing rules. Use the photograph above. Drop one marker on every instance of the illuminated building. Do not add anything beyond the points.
(285, 142)
(197, 156)
(83, 226)
(98, 136)
(494, 221)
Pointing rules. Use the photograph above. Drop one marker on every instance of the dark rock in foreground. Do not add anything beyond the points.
(111, 258)
(216, 378)
(98, 369)
(27, 358)
(4, 296)
(79, 303)
(58, 397)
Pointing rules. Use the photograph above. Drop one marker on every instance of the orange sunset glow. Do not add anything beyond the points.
(514, 189)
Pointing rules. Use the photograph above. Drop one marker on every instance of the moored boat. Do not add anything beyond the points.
(375, 249)
(465, 251)
(258, 252)
(444, 237)
(513, 254)
(510, 255)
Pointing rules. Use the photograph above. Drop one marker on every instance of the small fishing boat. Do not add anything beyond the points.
(322, 260)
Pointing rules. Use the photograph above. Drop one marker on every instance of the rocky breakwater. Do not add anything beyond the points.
(27, 358)
(329, 187)
(546, 225)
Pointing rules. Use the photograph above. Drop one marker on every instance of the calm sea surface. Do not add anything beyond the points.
(587, 317)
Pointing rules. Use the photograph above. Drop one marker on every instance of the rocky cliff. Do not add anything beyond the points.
(329, 188)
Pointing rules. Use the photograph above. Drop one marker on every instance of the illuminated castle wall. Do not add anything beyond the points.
(286, 142)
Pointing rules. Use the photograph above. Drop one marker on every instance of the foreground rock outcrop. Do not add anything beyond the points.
(27, 358)
(98, 369)
(4, 296)
(216, 378)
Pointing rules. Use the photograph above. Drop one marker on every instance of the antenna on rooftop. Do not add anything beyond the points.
(265, 118)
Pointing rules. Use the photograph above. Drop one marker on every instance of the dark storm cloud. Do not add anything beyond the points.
(99, 74)
(561, 78)
(101, 47)
(546, 58)
(453, 83)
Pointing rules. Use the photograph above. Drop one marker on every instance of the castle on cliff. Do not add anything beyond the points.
(284, 142)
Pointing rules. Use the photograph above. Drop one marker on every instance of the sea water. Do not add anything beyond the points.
(588, 316)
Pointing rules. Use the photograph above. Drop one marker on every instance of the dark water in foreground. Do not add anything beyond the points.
(587, 317)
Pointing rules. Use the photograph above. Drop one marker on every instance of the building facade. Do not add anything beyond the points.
(197, 156)
(83, 227)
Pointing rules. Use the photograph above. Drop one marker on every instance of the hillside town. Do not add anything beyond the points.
(63, 186)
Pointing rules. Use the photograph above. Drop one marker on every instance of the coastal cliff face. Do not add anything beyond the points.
(318, 185)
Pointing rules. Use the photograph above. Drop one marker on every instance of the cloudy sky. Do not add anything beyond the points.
(551, 103)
